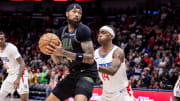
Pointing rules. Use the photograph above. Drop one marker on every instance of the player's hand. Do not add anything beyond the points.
(53, 49)
(16, 83)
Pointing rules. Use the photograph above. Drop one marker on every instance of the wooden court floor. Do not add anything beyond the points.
(15, 99)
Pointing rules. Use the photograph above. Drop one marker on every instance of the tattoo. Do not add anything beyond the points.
(70, 55)
(118, 58)
(88, 56)
(22, 66)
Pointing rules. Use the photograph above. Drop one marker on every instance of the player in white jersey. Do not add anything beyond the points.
(112, 68)
(17, 74)
(176, 91)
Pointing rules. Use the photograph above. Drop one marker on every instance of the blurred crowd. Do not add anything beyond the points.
(149, 41)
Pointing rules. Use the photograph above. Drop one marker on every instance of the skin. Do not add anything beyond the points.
(178, 70)
(105, 39)
(24, 97)
(57, 52)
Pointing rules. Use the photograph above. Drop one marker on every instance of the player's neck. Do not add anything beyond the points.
(70, 28)
(107, 46)
(2, 46)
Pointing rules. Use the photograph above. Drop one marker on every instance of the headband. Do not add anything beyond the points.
(74, 6)
(109, 29)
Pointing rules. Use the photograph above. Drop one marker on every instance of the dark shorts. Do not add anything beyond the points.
(73, 85)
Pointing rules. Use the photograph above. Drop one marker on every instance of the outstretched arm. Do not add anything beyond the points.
(118, 58)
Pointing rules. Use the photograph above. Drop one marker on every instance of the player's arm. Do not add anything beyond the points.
(22, 66)
(56, 59)
(87, 46)
(87, 56)
(118, 58)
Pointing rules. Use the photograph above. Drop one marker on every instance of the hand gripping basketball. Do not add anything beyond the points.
(51, 40)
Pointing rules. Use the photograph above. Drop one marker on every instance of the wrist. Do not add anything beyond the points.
(79, 57)
(63, 52)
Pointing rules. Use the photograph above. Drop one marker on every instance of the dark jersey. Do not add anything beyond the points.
(71, 41)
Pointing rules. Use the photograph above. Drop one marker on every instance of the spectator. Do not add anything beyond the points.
(146, 78)
(43, 76)
(52, 84)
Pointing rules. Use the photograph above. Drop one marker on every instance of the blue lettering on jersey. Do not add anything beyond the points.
(105, 64)
(5, 59)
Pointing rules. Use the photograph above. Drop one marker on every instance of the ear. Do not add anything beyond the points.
(67, 14)
(111, 36)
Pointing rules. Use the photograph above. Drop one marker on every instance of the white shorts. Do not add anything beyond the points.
(8, 84)
(122, 95)
(176, 90)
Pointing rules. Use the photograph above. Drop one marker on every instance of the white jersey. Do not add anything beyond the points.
(111, 83)
(176, 89)
(9, 56)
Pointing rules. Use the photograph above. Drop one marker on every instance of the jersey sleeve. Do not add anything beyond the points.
(14, 52)
(84, 34)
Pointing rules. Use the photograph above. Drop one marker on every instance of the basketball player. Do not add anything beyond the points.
(176, 91)
(78, 49)
(112, 68)
(17, 76)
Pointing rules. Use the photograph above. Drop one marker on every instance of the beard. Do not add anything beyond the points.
(73, 23)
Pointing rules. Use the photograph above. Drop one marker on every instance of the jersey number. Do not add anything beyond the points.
(105, 76)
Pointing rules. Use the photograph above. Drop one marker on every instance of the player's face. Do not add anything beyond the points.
(74, 16)
(2, 40)
(104, 36)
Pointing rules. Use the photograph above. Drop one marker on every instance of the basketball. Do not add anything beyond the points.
(47, 38)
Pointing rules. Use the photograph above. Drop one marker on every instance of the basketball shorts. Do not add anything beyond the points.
(73, 85)
(8, 84)
(176, 90)
(125, 94)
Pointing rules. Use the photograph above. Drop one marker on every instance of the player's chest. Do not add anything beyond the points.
(5, 57)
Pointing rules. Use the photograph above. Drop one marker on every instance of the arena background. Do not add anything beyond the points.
(146, 29)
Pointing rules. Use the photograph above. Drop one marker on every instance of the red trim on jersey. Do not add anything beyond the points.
(128, 89)
(178, 84)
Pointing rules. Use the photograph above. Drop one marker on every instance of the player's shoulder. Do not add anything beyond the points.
(83, 27)
(118, 49)
(60, 30)
(96, 50)
(10, 45)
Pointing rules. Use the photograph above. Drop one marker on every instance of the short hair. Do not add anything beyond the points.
(72, 6)
(2, 33)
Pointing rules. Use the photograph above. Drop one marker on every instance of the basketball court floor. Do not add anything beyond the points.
(15, 99)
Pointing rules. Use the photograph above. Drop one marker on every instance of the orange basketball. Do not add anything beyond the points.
(45, 39)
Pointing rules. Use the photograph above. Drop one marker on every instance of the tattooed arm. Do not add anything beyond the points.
(88, 55)
(118, 58)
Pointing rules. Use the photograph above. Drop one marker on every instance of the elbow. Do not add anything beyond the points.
(112, 73)
(88, 59)
(91, 61)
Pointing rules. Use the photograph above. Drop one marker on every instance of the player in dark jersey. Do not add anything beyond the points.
(78, 49)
